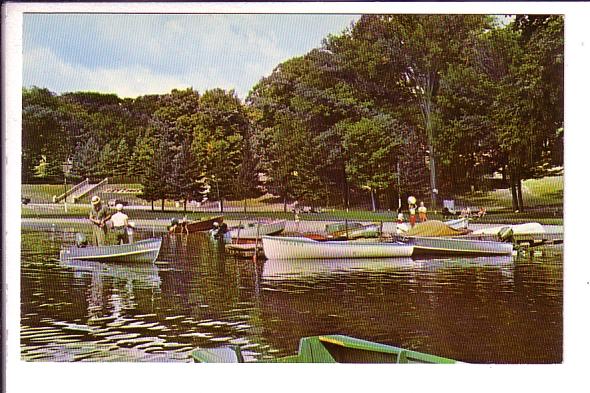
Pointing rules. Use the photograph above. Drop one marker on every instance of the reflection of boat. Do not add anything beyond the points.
(141, 251)
(143, 273)
(280, 268)
(202, 225)
(252, 230)
(328, 349)
(302, 247)
(352, 230)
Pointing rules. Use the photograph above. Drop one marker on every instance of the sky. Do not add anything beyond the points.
(137, 54)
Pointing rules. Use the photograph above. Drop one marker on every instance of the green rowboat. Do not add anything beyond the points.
(141, 251)
(328, 349)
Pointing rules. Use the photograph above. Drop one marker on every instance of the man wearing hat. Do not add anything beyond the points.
(99, 215)
(120, 222)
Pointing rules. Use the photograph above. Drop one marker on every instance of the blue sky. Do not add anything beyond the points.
(136, 54)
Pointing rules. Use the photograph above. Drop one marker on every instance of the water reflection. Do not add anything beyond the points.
(499, 309)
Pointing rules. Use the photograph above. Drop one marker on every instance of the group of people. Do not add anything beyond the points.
(413, 208)
(100, 216)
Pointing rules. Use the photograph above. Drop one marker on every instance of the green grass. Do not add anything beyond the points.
(544, 192)
(543, 197)
(40, 193)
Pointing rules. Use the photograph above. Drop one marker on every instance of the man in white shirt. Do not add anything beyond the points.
(120, 222)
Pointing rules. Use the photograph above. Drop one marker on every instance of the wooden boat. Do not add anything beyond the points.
(252, 230)
(192, 226)
(304, 248)
(141, 251)
(457, 246)
(246, 250)
(354, 230)
(329, 349)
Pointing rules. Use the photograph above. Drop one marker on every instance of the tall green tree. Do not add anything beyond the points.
(219, 130)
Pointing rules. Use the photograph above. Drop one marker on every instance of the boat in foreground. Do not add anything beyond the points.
(328, 349)
(253, 230)
(305, 248)
(140, 251)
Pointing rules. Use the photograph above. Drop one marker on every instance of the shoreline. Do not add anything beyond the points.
(160, 224)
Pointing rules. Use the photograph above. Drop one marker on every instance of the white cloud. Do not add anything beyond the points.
(133, 55)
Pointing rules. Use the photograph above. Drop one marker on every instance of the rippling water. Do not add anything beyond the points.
(485, 310)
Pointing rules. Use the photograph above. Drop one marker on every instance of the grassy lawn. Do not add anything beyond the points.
(547, 191)
(40, 193)
(542, 196)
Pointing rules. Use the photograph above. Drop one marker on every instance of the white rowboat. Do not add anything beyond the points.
(253, 230)
(304, 248)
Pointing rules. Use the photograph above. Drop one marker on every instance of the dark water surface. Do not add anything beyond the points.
(483, 310)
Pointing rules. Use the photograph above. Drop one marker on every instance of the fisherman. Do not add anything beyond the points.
(120, 222)
(422, 212)
(99, 215)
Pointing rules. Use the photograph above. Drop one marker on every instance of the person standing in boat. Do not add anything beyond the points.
(120, 222)
(99, 215)
(422, 212)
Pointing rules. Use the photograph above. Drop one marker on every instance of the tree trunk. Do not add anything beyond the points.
(513, 190)
(162, 204)
(373, 200)
(221, 205)
(184, 203)
(244, 205)
(519, 194)
(152, 205)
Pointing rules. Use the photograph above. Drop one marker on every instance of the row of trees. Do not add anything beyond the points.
(396, 104)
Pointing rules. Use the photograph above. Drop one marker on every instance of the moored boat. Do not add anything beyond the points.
(140, 251)
(329, 349)
(352, 230)
(457, 246)
(435, 228)
(191, 226)
(528, 229)
(251, 231)
(305, 248)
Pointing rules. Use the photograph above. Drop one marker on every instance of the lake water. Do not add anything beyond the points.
(482, 310)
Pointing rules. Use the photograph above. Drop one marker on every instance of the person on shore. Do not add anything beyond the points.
(99, 215)
(412, 208)
(422, 212)
(120, 222)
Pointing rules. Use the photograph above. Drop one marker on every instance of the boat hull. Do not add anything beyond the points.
(329, 349)
(144, 251)
(454, 246)
(305, 248)
(198, 226)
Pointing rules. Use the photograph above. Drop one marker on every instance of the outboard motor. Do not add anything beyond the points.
(81, 240)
